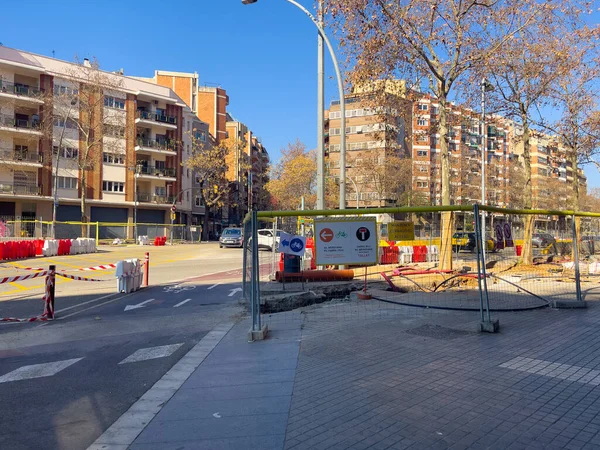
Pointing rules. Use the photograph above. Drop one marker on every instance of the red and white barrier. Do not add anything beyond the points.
(48, 313)
(102, 267)
(76, 278)
(22, 277)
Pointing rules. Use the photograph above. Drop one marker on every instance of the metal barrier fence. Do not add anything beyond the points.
(23, 229)
(499, 260)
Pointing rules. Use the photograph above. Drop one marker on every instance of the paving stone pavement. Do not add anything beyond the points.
(373, 376)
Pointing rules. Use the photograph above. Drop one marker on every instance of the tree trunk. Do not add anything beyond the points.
(84, 218)
(575, 200)
(527, 254)
(447, 217)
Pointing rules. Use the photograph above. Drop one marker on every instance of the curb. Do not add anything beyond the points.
(121, 434)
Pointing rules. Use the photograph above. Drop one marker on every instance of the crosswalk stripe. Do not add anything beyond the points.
(182, 303)
(213, 286)
(38, 370)
(144, 354)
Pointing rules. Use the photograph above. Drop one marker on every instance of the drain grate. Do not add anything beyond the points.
(438, 332)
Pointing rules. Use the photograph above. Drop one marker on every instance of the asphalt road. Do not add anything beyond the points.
(63, 383)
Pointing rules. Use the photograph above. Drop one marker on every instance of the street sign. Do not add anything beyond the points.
(173, 216)
(401, 231)
(499, 236)
(508, 238)
(173, 208)
(291, 244)
(346, 241)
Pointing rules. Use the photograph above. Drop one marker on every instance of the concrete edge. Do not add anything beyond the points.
(122, 433)
(260, 335)
(570, 304)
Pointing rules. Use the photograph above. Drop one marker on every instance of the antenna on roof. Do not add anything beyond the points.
(53, 53)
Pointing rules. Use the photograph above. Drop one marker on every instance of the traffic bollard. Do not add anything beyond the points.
(52, 275)
(146, 269)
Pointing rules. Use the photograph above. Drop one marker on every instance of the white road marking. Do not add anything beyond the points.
(182, 303)
(213, 286)
(217, 415)
(38, 370)
(234, 291)
(144, 354)
(139, 305)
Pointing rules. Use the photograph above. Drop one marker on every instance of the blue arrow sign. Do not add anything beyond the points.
(285, 243)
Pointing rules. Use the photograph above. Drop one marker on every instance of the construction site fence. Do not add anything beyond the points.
(102, 232)
(477, 260)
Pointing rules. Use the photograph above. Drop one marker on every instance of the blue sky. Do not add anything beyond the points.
(264, 54)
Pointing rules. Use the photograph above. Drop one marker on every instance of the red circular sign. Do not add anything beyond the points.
(326, 234)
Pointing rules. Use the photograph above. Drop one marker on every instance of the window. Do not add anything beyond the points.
(66, 152)
(113, 186)
(422, 122)
(334, 131)
(422, 107)
(197, 179)
(188, 195)
(433, 140)
(422, 153)
(116, 131)
(422, 184)
(67, 182)
(112, 102)
(113, 158)
(422, 168)
(64, 90)
(434, 110)
(188, 173)
(197, 201)
(61, 122)
(160, 191)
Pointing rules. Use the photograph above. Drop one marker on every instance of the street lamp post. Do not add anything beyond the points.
(341, 94)
(485, 87)
(135, 200)
(355, 190)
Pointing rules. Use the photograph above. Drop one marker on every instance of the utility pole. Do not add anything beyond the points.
(320, 112)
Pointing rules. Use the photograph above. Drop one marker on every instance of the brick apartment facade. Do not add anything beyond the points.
(139, 163)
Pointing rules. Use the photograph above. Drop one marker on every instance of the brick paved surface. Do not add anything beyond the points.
(410, 379)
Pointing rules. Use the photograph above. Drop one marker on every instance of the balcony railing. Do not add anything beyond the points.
(19, 189)
(158, 145)
(156, 171)
(30, 157)
(11, 121)
(163, 118)
(147, 197)
(18, 89)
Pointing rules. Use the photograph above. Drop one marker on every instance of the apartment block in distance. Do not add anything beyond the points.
(136, 167)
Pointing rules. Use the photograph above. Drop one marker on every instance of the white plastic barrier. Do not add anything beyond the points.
(143, 240)
(433, 253)
(406, 254)
(129, 275)
(50, 248)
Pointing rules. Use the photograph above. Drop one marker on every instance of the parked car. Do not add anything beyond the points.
(466, 241)
(267, 239)
(231, 237)
(542, 240)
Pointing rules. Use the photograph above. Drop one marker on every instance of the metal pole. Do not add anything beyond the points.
(320, 113)
(135, 200)
(483, 159)
(255, 275)
(478, 247)
(576, 260)
(340, 82)
(355, 190)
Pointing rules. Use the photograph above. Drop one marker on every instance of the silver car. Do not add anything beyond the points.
(232, 237)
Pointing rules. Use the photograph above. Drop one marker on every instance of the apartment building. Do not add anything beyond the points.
(411, 131)
(133, 168)
(373, 134)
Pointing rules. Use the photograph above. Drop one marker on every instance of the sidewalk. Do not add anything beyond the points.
(369, 377)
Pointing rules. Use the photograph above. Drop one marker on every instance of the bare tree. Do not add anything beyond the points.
(436, 41)
(209, 160)
(78, 115)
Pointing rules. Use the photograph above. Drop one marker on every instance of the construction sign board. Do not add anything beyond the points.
(401, 231)
(346, 242)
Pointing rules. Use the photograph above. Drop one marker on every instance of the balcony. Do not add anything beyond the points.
(160, 147)
(153, 173)
(21, 126)
(19, 189)
(147, 197)
(152, 118)
(20, 158)
(20, 93)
